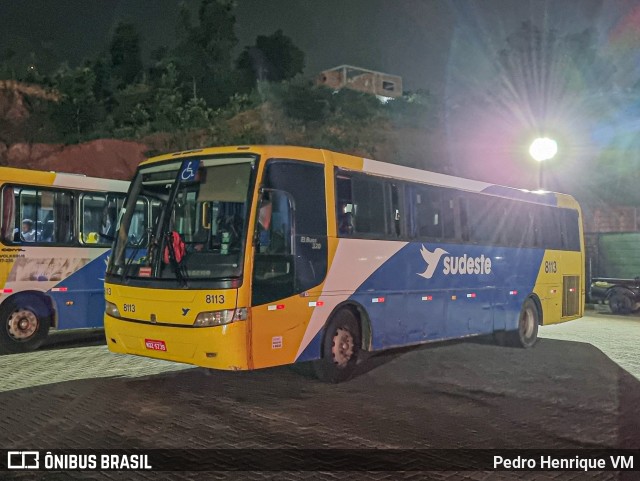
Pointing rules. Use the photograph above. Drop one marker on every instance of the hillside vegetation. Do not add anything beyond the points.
(197, 92)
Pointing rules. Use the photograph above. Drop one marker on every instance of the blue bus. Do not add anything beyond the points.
(56, 233)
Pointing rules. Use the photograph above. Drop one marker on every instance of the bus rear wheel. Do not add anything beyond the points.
(23, 326)
(527, 333)
(340, 348)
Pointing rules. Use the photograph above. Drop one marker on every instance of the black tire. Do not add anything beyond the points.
(620, 303)
(340, 348)
(24, 325)
(527, 333)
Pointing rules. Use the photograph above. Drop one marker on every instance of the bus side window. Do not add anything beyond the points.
(448, 215)
(534, 236)
(514, 220)
(369, 206)
(46, 216)
(536, 230)
(571, 227)
(28, 214)
(63, 214)
(8, 214)
(91, 206)
(482, 218)
(394, 209)
(551, 229)
(344, 207)
(428, 212)
(462, 224)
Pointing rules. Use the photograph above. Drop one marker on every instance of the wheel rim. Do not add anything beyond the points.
(342, 348)
(22, 325)
(528, 323)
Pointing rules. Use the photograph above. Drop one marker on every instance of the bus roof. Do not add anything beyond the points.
(59, 179)
(385, 169)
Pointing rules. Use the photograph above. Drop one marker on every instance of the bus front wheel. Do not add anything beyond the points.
(24, 325)
(527, 333)
(340, 348)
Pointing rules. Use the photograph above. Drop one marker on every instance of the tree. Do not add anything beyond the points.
(302, 101)
(28, 60)
(124, 50)
(273, 58)
(8, 63)
(195, 114)
(168, 100)
(102, 87)
(78, 111)
(131, 109)
(542, 73)
(203, 53)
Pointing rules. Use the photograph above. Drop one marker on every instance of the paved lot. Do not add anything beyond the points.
(617, 336)
(561, 394)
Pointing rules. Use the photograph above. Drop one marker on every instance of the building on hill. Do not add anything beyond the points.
(381, 84)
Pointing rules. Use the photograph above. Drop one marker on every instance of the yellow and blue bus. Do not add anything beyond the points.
(269, 255)
(56, 232)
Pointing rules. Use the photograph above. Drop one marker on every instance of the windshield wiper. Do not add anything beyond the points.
(136, 248)
(178, 266)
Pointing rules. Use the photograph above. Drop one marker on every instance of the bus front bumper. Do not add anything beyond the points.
(220, 347)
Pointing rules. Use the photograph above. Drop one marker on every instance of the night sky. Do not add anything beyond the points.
(417, 39)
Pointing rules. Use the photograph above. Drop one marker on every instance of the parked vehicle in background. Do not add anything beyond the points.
(55, 234)
(613, 264)
(622, 295)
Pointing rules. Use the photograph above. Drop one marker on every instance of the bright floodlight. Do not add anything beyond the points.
(543, 148)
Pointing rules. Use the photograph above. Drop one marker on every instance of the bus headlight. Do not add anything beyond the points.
(219, 318)
(111, 309)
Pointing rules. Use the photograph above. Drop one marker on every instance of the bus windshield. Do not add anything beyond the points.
(198, 221)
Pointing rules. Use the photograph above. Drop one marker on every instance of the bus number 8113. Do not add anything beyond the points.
(214, 299)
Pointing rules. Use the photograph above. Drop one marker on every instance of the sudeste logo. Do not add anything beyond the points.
(463, 264)
(432, 259)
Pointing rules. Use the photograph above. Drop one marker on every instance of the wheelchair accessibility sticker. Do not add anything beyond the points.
(189, 170)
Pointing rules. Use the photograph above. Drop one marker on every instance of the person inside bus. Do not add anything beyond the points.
(264, 223)
(108, 225)
(28, 233)
(273, 225)
(270, 240)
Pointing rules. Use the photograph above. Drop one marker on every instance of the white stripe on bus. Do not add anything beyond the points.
(408, 173)
(354, 262)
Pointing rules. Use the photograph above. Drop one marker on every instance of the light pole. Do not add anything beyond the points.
(542, 149)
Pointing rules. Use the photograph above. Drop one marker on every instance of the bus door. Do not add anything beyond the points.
(290, 259)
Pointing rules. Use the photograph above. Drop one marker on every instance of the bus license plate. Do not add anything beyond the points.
(155, 345)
